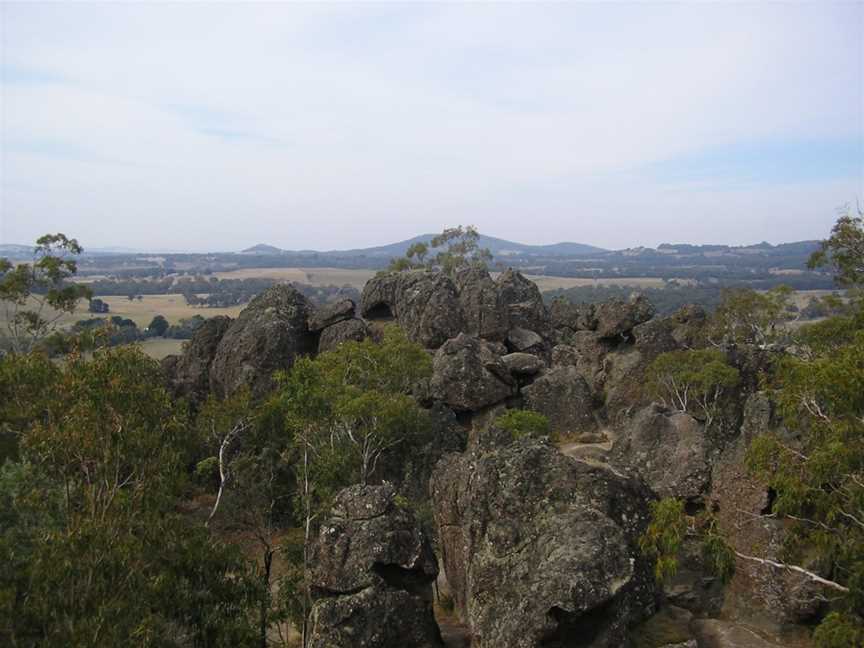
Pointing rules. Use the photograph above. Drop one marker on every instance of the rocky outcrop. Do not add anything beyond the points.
(563, 396)
(469, 375)
(523, 364)
(524, 302)
(617, 318)
(372, 576)
(541, 549)
(525, 341)
(268, 335)
(574, 317)
(330, 314)
(670, 451)
(189, 373)
(486, 313)
(425, 304)
(351, 330)
(586, 351)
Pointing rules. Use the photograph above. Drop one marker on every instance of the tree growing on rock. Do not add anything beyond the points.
(36, 295)
(746, 316)
(843, 251)
(349, 416)
(462, 251)
(692, 381)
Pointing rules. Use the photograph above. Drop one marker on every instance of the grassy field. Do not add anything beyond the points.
(171, 307)
(357, 278)
(310, 276)
(158, 348)
(552, 283)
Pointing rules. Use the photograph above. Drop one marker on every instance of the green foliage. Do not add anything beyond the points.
(746, 316)
(839, 630)
(28, 386)
(662, 540)
(35, 294)
(158, 325)
(92, 551)
(843, 251)
(523, 423)
(717, 553)
(462, 251)
(692, 380)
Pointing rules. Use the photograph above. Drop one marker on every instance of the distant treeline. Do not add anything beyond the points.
(212, 292)
(669, 299)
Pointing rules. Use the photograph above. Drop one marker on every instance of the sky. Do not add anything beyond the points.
(207, 126)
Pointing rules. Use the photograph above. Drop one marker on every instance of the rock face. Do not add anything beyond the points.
(617, 318)
(189, 375)
(372, 576)
(425, 304)
(330, 314)
(486, 313)
(432, 308)
(468, 375)
(669, 451)
(563, 396)
(523, 364)
(739, 500)
(524, 302)
(351, 330)
(586, 351)
(523, 340)
(569, 317)
(269, 333)
(541, 549)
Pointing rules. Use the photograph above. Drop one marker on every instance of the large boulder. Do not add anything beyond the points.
(486, 313)
(469, 375)
(524, 302)
(268, 335)
(586, 351)
(563, 396)
(425, 304)
(330, 314)
(189, 374)
(541, 549)
(523, 364)
(372, 575)
(567, 317)
(351, 330)
(617, 318)
(524, 340)
(669, 451)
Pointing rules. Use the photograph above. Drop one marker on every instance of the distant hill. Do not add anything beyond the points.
(262, 248)
(498, 247)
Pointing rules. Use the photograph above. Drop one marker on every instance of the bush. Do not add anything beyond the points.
(523, 423)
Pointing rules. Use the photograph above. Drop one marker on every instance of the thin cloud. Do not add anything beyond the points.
(339, 126)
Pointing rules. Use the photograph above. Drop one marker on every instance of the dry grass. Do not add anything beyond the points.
(158, 348)
(171, 307)
(545, 283)
(311, 276)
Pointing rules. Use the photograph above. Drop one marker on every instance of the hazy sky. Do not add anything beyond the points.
(214, 126)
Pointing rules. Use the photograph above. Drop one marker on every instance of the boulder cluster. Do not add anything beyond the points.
(538, 544)
(276, 327)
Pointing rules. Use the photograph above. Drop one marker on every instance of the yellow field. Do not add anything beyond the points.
(310, 276)
(358, 278)
(171, 307)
